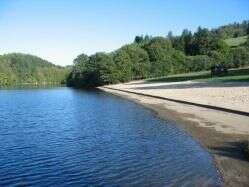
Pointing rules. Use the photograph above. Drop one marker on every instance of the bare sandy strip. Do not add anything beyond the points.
(228, 95)
(220, 132)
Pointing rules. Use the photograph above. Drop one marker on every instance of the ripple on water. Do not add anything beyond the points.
(66, 137)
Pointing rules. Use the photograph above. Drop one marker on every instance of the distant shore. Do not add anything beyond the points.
(27, 85)
(222, 134)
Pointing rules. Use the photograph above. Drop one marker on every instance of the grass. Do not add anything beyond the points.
(234, 75)
(234, 42)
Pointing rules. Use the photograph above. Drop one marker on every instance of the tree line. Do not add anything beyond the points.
(17, 68)
(161, 56)
(146, 57)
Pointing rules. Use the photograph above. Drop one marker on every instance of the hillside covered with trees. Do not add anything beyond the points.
(161, 56)
(17, 68)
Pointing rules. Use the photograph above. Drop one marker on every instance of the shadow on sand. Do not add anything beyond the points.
(236, 150)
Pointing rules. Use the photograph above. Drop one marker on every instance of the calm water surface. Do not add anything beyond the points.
(66, 137)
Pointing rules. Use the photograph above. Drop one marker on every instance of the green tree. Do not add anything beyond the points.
(138, 39)
(201, 42)
(103, 69)
(239, 57)
(159, 50)
(78, 73)
(178, 62)
(247, 42)
(198, 63)
(187, 39)
(139, 61)
(170, 35)
(123, 64)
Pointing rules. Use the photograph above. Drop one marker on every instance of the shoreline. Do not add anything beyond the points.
(205, 125)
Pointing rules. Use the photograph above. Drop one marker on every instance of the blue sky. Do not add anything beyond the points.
(59, 30)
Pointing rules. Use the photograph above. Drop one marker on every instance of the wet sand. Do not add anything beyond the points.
(221, 133)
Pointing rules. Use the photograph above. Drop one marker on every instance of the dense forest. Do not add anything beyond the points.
(17, 68)
(161, 56)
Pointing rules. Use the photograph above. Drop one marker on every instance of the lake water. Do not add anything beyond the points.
(67, 137)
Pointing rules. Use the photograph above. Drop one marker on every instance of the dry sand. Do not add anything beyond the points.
(220, 132)
(228, 95)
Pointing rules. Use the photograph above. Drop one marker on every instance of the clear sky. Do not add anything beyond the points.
(59, 30)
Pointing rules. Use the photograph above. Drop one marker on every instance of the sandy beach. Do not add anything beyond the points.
(221, 133)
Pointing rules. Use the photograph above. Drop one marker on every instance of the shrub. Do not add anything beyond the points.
(239, 57)
(199, 63)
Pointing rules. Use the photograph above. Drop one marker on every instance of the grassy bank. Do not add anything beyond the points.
(234, 75)
(234, 42)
